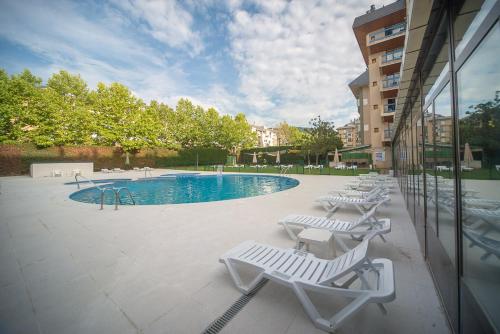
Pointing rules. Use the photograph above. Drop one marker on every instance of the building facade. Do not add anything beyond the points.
(349, 134)
(446, 152)
(266, 136)
(381, 36)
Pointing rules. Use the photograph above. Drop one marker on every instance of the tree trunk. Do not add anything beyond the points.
(317, 158)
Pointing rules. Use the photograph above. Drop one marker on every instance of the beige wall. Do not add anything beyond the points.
(66, 168)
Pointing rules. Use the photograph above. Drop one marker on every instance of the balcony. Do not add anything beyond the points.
(391, 61)
(392, 55)
(387, 134)
(389, 108)
(388, 38)
(392, 83)
(387, 32)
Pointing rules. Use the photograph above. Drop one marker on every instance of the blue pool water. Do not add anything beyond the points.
(190, 189)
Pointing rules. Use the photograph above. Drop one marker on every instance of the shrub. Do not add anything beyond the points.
(16, 159)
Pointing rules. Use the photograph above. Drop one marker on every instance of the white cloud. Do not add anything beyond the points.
(166, 21)
(296, 58)
(99, 49)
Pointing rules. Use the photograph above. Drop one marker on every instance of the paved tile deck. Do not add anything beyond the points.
(67, 267)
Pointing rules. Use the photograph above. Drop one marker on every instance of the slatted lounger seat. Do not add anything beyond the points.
(376, 192)
(304, 272)
(357, 229)
(332, 203)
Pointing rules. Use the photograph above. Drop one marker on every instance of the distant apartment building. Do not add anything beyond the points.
(380, 34)
(265, 136)
(349, 134)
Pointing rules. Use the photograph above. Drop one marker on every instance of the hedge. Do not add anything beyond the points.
(16, 159)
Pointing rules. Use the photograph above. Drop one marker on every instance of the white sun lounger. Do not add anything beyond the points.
(304, 272)
(105, 170)
(475, 217)
(375, 192)
(366, 224)
(332, 203)
(489, 245)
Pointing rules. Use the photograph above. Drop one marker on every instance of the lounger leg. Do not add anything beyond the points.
(341, 243)
(382, 308)
(237, 278)
(288, 229)
(336, 321)
(332, 210)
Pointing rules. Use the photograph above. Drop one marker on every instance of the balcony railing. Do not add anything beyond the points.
(387, 133)
(392, 55)
(390, 82)
(389, 107)
(386, 32)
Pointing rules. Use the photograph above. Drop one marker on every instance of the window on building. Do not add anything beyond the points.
(374, 83)
(375, 106)
(374, 60)
(375, 130)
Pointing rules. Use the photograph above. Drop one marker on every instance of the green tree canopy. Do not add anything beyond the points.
(66, 112)
(291, 135)
(322, 137)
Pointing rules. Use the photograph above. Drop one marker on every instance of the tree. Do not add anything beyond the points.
(120, 121)
(70, 86)
(66, 112)
(236, 133)
(481, 128)
(291, 135)
(18, 95)
(322, 137)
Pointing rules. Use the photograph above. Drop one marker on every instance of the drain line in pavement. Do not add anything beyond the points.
(218, 324)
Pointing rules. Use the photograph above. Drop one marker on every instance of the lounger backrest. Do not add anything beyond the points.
(345, 263)
(374, 193)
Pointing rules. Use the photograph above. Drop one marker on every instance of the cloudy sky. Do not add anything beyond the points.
(273, 60)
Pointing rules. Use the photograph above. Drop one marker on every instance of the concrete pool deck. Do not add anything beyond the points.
(67, 267)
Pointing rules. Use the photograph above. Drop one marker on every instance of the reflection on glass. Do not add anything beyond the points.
(430, 177)
(479, 139)
(417, 149)
(445, 185)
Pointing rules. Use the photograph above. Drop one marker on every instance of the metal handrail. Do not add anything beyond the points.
(115, 190)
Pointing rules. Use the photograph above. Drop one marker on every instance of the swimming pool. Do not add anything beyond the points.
(190, 189)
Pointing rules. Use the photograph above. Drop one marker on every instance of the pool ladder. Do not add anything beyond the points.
(116, 191)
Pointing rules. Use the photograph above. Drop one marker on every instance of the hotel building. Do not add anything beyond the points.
(265, 136)
(349, 134)
(380, 34)
(446, 144)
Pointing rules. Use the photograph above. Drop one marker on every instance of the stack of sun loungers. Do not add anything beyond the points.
(342, 277)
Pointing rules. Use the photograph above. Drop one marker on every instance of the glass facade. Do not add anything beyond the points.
(478, 87)
(446, 152)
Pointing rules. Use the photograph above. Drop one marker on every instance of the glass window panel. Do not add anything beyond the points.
(479, 139)
(443, 131)
(417, 148)
(429, 163)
